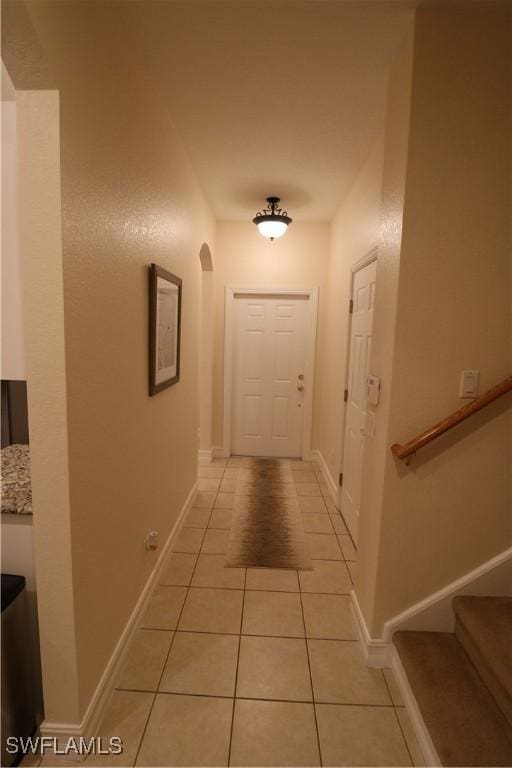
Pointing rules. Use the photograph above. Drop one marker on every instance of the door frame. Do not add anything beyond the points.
(364, 261)
(230, 293)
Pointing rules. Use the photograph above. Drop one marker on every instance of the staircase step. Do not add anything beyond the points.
(483, 626)
(464, 722)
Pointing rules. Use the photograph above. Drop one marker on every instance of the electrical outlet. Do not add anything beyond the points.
(151, 540)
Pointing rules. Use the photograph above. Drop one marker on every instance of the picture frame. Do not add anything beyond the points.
(164, 329)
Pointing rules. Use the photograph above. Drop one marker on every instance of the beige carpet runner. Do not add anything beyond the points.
(267, 530)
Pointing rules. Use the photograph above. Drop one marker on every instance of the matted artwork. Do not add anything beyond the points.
(164, 328)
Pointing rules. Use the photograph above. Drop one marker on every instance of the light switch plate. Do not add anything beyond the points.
(469, 384)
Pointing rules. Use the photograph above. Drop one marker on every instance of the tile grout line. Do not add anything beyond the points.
(249, 634)
(259, 698)
(397, 718)
(143, 735)
(316, 559)
(404, 736)
(237, 667)
(310, 674)
(240, 589)
(238, 651)
(272, 591)
(285, 591)
(311, 680)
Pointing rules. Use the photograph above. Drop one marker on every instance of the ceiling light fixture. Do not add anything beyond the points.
(272, 222)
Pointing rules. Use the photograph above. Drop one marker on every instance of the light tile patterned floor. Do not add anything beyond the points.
(244, 666)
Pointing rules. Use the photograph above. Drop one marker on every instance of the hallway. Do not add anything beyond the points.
(236, 666)
(147, 134)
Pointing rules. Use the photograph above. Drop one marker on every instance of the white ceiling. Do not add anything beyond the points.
(273, 98)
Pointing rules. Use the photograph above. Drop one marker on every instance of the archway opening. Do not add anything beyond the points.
(206, 354)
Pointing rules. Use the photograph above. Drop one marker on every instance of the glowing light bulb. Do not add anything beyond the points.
(272, 229)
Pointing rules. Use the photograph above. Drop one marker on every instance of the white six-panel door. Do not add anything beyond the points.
(360, 349)
(270, 344)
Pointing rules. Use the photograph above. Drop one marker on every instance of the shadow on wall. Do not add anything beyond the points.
(205, 256)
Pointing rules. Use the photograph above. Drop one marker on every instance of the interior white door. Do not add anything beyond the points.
(270, 343)
(361, 331)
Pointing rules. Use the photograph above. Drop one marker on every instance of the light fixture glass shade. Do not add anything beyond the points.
(272, 229)
(272, 222)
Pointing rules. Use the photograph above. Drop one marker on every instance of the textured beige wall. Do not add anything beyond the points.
(40, 240)
(129, 198)
(13, 346)
(392, 201)
(245, 259)
(353, 233)
(451, 509)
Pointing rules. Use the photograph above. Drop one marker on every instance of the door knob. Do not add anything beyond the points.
(300, 387)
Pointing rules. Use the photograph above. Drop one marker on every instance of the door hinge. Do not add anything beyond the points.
(341, 478)
(345, 395)
(351, 306)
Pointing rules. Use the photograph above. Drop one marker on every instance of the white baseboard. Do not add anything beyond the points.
(333, 487)
(208, 454)
(430, 756)
(376, 650)
(88, 726)
(381, 654)
(435, 614)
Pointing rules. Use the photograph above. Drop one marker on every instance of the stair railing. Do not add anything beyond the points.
(432, 433)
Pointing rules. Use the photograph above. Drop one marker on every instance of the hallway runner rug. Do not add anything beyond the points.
(267, 530)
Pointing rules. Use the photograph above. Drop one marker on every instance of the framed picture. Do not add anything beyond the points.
(164, 328)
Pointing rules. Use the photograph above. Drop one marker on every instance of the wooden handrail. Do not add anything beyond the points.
(407, 449)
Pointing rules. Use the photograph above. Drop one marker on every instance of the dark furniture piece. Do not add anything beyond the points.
(14, 412)
(18, 711)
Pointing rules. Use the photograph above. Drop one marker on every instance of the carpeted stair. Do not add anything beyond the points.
(483, 626)
(462, 682)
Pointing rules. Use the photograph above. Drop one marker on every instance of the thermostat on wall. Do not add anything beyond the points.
(372, 389)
